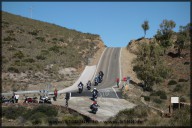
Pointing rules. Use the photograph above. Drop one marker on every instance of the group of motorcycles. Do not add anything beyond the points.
(98, 79)
(5, 100)
(43, 99)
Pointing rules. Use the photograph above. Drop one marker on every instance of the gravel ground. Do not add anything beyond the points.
(108, 106)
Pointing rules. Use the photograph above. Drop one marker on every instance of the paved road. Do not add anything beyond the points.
(109, 64)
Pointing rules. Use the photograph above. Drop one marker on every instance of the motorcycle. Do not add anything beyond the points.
(45, 100)
(80, 89)
(100, 79)
(94, 108)
(30, 100)
(96, 83)
(11, 100)
(94, 96)
(88, 87)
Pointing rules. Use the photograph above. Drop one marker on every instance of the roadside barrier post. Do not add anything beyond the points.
(67, 97)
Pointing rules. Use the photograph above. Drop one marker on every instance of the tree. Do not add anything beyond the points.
(145, 27)
(182, 38)
(148, 65)
(164, 33)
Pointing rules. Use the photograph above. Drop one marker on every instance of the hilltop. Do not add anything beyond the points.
(176, 84)
(36, 52)
(178, 81)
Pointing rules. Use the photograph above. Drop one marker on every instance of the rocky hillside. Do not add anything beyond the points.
(178, 82)
(38, 52)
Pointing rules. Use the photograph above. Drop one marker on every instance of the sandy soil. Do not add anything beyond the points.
(108, 106)
(97, 56)
(126, 64)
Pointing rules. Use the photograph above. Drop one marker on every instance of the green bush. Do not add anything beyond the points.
(19, 54)
(54, 39)
(158, 101)
(13, 112)
(61, 39)
(162, 94)
(182, 99)
(10, 31)
(177, 88)
(153, 94)
(55, 48)
(41, 57)
(47, 110)
(12, 69)
(146, 98)
(182, 80)
(52, 120)
(134, 113)
(71, 119)
(186, 63)
(37, 118)
(181, 117)
(42, 39)
(21, 46)
(34, 33)
(172, 82)
(9, 39)
(44, 52)
(29, 60)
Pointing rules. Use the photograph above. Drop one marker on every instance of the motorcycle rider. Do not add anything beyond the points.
(101, 76)
(89, 85)
(80, 86)
(96, 80)
(94, 93)
(94, 107)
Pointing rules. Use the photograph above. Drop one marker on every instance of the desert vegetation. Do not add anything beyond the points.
(29, 47)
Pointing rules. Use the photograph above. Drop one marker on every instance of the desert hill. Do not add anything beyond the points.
(35, 51)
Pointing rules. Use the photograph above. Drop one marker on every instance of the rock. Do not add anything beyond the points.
(133, 44)
(48, 67)
(22, 75)
(67, 71)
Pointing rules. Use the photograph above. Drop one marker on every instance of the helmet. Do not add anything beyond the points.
(94, 88)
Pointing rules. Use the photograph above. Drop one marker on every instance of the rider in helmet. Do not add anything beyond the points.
(94, 107)
(80, 86)
(100, 76)
(89, 85)
(96, 80)
(95, 93)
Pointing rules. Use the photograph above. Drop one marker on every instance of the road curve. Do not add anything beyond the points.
(109, 64)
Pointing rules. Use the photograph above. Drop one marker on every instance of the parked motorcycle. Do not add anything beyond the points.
(30, 100)
(5, 100)
(44, 99)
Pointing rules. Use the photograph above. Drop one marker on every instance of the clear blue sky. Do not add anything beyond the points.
(116, 22)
